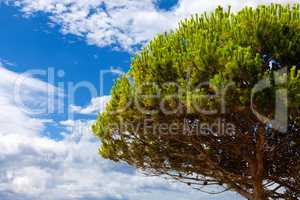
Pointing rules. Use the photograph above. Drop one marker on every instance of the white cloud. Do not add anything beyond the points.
(121, 23)
(33, 166)
(96, 106)
(21, 96)
(30, 180)
(68, 123)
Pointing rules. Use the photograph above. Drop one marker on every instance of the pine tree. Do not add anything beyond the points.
(156, 122)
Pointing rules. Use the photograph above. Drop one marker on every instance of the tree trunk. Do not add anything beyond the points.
(258, 172)
(259, 193)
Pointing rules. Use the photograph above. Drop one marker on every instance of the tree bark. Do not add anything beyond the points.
(258, 172)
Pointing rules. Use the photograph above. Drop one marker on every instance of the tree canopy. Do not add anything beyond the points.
(198, 104)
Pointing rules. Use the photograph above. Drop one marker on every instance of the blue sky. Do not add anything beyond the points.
(32, 43)
(52, 154)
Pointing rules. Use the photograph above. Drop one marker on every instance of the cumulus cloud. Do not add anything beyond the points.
(20, 97)
(123, 24)
(96, 106)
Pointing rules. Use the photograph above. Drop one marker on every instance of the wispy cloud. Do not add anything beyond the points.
(4, 62)
(123, 24)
